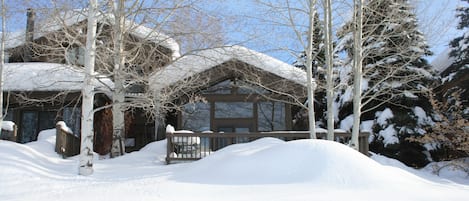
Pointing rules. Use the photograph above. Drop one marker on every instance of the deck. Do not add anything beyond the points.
(190, 146)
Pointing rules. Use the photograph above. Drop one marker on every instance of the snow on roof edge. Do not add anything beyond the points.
(79, 15)
(189, 65)
(41, 76)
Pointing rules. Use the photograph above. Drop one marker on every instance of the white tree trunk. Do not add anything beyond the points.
(118, 97)
(309, 71)
(2, 62)
(329, 64)
(357, 66)
(86, 152)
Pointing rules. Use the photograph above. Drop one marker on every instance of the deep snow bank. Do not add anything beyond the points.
(272, 161)
(35, 158)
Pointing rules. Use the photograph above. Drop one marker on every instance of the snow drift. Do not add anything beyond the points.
(272, 161)
(266, 169)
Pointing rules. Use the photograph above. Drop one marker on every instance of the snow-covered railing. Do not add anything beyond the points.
(9, 131)
(188, 145)
(66, 143)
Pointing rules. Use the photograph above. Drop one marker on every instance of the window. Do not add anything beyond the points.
(220, 88)
(196, 116)
(72, 117)
(246, 88)
(29, 127)
(9, 116)
(234, 110)
(271, 116)
(32, 122)
(231, 108)
(75, 56)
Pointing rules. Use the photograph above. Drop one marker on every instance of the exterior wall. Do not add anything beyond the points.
(147, 57)
(32, 113)
(54, 47)
(266, 87)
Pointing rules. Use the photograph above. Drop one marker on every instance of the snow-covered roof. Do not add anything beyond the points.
(37, 76)
(72, 17)
(442, 61)
(198, 62)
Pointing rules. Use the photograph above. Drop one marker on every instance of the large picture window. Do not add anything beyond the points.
(234, 106)
(271, 116)
(196, 116)
(233, 110)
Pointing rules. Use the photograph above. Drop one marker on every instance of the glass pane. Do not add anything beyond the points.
(271, 116)
(75, 56)
(233, 110)
(242, 130)
(29, 127)
(47, 120)
(72, 117)
(245, 88)
(220, 88)
(9, 115)
(196, 116)
(225, 129)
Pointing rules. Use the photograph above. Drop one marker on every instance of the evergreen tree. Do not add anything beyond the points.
(455, 84)
(318, 49)
(395, 77)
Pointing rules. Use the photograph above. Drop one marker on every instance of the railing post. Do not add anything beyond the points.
(58, 141)
(169, 143)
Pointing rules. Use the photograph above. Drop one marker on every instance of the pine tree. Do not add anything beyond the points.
(318, 49)
(455, 78)
(395, 74)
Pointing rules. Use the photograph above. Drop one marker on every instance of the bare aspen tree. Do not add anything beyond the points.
(357, 66)
(329, 68)
(87, 132)
(309, 71)
(2, 62)
(118, 97)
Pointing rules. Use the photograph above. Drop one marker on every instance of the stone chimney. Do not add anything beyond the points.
(28, 52)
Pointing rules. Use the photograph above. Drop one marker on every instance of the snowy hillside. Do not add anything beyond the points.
(266, 169)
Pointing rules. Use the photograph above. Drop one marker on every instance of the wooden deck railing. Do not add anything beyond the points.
(66, 144)
(187, 146)
(10, 135)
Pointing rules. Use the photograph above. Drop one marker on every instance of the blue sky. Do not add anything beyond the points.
(436, 17)
(251, 25)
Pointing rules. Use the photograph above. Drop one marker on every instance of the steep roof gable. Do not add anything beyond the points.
(190, 65)
(73, 17)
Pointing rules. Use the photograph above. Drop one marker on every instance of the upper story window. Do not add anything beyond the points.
(75, 56)
(234, 86)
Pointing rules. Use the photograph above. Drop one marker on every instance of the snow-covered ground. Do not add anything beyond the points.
(267, 169)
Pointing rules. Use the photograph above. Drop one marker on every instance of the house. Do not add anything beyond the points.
(38, 94)
(230, 95)
(238, 90)
(228, 89)
(44, 72)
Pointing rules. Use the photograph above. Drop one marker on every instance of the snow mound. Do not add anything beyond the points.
(8, 125)
(272, 161)
(456, 170)
(35, 158)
